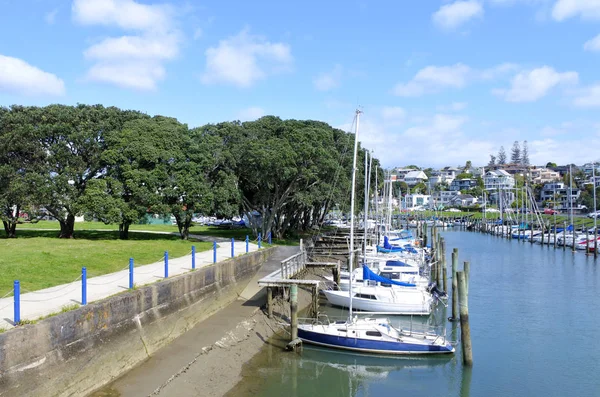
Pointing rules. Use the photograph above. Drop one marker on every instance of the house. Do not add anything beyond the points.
(463, 184)
(444, 198)
(498, 179)
(588, 168)
(543, 175)
(464, 200)
(558, 193)
(415, 177)
(511, 168)
(416, 200)
(400, 173)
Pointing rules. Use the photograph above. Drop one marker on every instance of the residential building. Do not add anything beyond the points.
(464, 200)
(401, 173)
(511, 168)
(417, 200)
(558, 193)
(463, 184)
(588, 168)
(543, 175)
(444, 198)
(498, 179)
(414, 177)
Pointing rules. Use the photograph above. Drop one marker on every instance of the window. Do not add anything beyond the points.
(374, 333)
(365, 296)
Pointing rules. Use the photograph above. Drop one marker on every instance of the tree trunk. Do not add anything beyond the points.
(67, 226)
(124, 230)
(10, 228)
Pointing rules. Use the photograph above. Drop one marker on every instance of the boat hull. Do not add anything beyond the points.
(341, 298)
(370, 346)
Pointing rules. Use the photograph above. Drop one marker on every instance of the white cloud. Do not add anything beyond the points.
(136, 75)
(19, 77)
(529, 86)
(243, 59)
(450, 16)
(50, 17)
(588, 97)
(434, 78)
(447, 143)
(592, 44)
(453, 107)
(129, 61)
(329, 80)
(585, 9)
(135, 47)
(125, 14)
(251, 113)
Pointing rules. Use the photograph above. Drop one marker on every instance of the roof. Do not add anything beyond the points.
(416, 174)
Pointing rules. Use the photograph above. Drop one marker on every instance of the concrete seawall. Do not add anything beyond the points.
(73, 353)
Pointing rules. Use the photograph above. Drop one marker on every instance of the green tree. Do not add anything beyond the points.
(501, 156)
(20, 162)
(551, 165)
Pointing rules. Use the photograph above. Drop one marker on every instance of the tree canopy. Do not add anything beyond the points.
(117, 166)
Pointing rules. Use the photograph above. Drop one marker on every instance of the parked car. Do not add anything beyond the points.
(550, 211)
(594, 214)
(453, 210)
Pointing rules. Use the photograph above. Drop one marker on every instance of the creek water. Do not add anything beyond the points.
(535, 328)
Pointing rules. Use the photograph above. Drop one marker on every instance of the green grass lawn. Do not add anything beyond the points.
(40, 260)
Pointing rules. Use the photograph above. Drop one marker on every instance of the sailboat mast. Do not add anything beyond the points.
(366, 207)
(376, 192)
(353, 187)
(571, 197)
(594, 187)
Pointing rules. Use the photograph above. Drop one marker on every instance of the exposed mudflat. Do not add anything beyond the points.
(208, 360)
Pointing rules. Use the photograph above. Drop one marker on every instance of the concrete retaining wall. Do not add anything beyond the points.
(74, 353)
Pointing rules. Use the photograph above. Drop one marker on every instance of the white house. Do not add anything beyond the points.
(415, 177)
(416, 200)
(498, 179)
(543, 175)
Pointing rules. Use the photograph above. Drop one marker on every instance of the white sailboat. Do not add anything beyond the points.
(369, 335)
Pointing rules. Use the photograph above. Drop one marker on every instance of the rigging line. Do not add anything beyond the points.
(337, 172)
(8, 293)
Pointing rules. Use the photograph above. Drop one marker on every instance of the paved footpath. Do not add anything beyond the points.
(47, 301)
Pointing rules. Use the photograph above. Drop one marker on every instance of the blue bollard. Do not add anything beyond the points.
(83, 286)
(193, 256)
(17, 290)
(247, 243)
(130, 273)
(269, 238)
(232, 242)
(214, 252)
(166, 264)
(259, 240)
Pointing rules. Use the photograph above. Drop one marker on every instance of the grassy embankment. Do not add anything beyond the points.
(38, 259)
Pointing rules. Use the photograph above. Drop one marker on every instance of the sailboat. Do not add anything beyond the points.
(369, 335)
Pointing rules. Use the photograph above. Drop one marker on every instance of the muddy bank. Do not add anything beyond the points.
(209, 359)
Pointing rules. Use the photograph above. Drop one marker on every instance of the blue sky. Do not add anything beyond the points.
(439, 82)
